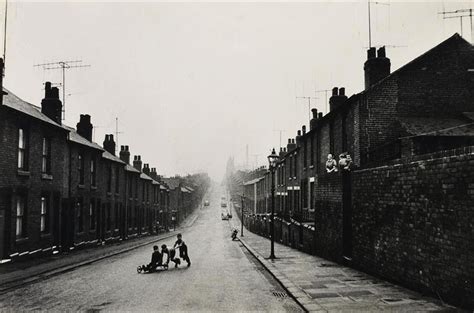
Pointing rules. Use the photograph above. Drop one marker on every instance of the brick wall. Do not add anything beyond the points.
(30, 183)
(328, 220)
(414, 223)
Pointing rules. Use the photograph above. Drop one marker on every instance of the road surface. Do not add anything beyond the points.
(223, 277)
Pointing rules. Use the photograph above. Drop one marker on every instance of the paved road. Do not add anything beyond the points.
(223, 277)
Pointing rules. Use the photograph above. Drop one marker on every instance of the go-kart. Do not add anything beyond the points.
(151, 269)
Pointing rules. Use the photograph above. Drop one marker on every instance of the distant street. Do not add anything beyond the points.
(223, 277)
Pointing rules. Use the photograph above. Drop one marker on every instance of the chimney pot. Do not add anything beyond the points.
(320, 115)
(342, 91)
(334, 91)
(376, 69)
(315, 112)
(381, 52)
(51, 106)
(371, 53)
(84, 127)
(298, 133)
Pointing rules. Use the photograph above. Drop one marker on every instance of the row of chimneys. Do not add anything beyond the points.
(376, 68)
(51, 106)
(137, 160)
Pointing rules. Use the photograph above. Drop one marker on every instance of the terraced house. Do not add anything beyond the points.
(59, 190)
(391, 185)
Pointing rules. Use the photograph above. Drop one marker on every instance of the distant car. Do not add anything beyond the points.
(206, 203)
(224, 216)
(223, 198)
(229, 215)
(224, 205)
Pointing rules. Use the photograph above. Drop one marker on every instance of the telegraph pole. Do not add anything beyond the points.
(63, 66)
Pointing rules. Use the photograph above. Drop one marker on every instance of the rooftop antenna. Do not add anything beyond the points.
(370, 24)
(256, 160)
(459, 14)
(117, 132)
(309, 104)
(280, 131)
(63, 65)
(326, 95)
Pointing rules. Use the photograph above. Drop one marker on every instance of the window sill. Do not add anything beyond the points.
(47, 176)
(23, 173)
(80, 186)
(109, 193)
(311, 166)
(117, 194)
(92, 231)
(45, 235)
(93, 187)
(80, 233)
(22, 239)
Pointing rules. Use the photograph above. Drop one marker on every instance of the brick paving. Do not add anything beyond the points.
(323, 286)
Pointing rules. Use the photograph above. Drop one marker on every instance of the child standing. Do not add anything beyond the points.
(183, 249)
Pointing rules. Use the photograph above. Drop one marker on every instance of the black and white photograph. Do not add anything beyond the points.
(224, 156)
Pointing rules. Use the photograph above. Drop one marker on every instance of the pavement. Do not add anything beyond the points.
(319, 285)
(223, 276)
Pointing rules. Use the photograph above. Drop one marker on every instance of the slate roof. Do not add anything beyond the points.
(75, 137)
(253, 181)
(183, 189)
(109, 156)
(145, 176)
(130, 168)
(12, 101)
(437, 126)
(172, 183)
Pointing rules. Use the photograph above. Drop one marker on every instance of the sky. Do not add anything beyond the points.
(192, 84)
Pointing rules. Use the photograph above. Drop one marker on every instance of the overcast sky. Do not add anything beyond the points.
(194, 83)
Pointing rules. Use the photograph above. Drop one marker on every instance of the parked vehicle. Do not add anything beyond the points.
(206, 203)
(224, 205)
(224, 216)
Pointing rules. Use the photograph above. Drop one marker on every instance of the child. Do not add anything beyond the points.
(156, 260)
(183, 249)
(170, 253)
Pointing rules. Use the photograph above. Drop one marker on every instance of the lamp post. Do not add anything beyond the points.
(242, 216)
(272, 160)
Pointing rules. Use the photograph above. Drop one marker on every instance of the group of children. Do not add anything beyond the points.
(157, 256)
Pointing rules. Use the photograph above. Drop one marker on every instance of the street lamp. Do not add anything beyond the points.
(272, 161)
(242, 216)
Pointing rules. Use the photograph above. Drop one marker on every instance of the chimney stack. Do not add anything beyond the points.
(313, 121)
(338, 98)
(153, 174)
(303, 129)
(137, 162)
(146, 168)
(125, 154)
(109, 144)
(291, 145)
(376, 68)
(84, 127)
(51, 106)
